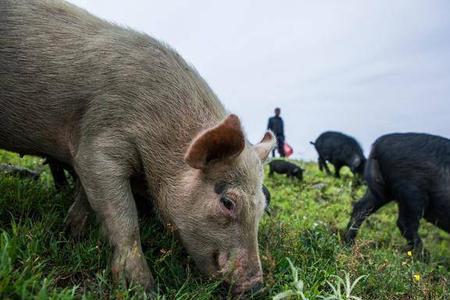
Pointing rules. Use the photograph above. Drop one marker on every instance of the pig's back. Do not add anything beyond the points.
(59, 61)
(55, 54)
(336, 145)
(44, 48)
(413, 158)
(45, 56)
(425, 150)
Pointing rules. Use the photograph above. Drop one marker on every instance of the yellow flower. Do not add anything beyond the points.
(409, 253)
(417, 277)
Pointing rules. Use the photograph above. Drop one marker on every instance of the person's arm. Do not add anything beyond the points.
(282, 127)
(269, 125)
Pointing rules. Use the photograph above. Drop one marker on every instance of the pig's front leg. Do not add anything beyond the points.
(105, 179)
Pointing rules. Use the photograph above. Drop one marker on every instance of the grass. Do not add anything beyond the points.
(300, 246)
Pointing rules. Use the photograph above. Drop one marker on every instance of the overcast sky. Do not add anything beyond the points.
(362, 67)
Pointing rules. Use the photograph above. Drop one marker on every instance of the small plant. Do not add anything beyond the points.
(342, 289)
(297, 285)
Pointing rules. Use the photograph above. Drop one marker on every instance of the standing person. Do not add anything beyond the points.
(277, 127)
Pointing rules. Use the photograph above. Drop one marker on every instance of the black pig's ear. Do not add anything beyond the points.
(266, 145)
(267, 196)
(224, 141)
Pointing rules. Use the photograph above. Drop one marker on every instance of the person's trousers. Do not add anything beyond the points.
(280, 147)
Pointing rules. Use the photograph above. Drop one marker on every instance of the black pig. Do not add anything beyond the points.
(414, 170)
(340, 150)
(58, 171)
(284, 167)
(19, 171)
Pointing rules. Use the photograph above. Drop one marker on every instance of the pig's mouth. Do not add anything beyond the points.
(231, 272)
(239, 279)
(252, 287)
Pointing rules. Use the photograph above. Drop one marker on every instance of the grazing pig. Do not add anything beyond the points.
(57, 170)
(413, 170)
(116, 104)
(284, 167)
(19, 171)
(340, 150)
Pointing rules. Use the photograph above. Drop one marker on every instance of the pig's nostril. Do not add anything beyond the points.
(216, 259)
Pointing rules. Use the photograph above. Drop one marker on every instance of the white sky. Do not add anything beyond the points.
(363, 67)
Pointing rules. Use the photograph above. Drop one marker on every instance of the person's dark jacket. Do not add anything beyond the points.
(276, 125)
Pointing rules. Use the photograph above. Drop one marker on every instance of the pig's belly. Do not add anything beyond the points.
(24, 134)
(439, 214)
(19, 143)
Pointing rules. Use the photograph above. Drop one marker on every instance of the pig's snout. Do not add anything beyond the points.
(244, 273)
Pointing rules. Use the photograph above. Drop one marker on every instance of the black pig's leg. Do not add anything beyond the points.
(337, 170)
(59, 177)
(323, 165)
(411, 210)
(361, 210)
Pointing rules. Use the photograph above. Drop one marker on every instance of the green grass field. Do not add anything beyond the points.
(39, 260)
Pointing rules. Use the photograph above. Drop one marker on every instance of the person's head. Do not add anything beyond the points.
(277, 111)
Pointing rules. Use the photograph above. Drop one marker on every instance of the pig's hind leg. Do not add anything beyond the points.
(323, 165)
(79, 212)
(411, 205)
(337, 169)
(104, 170)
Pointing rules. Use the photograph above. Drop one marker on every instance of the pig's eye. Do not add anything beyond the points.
(227, 203)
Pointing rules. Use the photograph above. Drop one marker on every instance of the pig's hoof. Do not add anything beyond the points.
(132, 269)
(76, 221)
(349, 239)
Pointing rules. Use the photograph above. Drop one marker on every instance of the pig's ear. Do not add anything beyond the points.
(226, 140)
(266, 146)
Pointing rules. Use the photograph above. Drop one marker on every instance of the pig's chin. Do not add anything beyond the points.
(206, 264)
(204, 257)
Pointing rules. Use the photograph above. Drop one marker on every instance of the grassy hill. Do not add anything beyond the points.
(38, 259)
